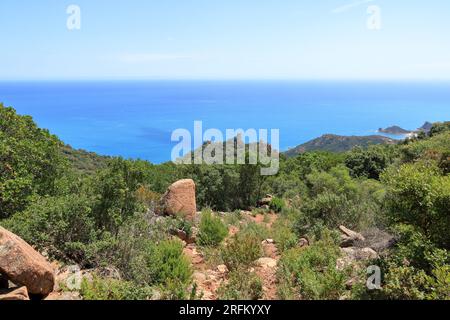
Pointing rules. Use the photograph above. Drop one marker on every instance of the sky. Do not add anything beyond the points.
(233, 39)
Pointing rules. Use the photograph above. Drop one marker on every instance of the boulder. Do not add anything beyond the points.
(24, 266)
(183, 236)
(14, 294)
(268, 241)
(222, 268)
(265, 201)
(180, 199)
(349, 238)
(356, 254)
(303, 242)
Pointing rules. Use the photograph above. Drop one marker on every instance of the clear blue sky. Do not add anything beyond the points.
(232, 39)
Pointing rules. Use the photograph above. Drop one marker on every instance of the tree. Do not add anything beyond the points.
(30, 161)
(370, 162)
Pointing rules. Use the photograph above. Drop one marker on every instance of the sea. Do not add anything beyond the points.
(136, 119)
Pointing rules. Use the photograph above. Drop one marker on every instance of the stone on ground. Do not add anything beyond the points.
(14, 294)
(24, 266)
(180, 199)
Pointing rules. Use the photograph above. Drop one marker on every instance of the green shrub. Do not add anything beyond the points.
(405, 283)
(415, 269)
(169, 268)
(212, 230)
(233, 218)
(63, 225)
(30, 162)
(242, 285)
(420, 196)
(111, 289)
(242, 251)
(259, 231)
(440, 283)
(312, 271)
(277, 204)
(370, 162)
(284, 235)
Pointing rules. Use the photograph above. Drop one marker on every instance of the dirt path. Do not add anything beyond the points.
(209, 278)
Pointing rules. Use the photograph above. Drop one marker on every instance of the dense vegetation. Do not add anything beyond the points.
(335, 143)
(96, 211)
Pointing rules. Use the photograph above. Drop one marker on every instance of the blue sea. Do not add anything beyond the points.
(135, 119)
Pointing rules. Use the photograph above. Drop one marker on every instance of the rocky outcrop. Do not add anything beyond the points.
(14, 294)
(350, 238)
(180, 199)
(24, 266)
(266, 201)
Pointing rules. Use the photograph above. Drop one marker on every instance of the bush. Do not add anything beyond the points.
(370, 162)
(284, 235)
(405, 283)
(253, 229)
(415, 269)
(30, 162)
(169, 268)
(226, 187)
(111, 289)
(212, 230)
(420, 196)
(313, 272)
(64, 226)
(242, 285)
(277, 204)
(242, 251)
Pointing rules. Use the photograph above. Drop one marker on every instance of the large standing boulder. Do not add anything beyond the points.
(23, 265)
(180, 199)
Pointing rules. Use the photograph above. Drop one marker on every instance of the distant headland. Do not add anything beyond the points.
(396, 130)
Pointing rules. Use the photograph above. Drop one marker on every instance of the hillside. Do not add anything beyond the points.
(84, 161)
(335, 143)
(394, 130)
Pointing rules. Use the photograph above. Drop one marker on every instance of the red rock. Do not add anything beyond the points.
(25, 266)
(14, 294)
(180, 199)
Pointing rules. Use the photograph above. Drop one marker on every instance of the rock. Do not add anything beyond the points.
(180, 199)
(183, 236)
(351, 283)
(349, 238)
(69, 277)
(303, 242)
(367, 254)
(222, 268)
(25, 266)
(268, 241)
(265, 201)
(14, 294)
(64, 296)
(267, 263)
(199, 276)
(108, 273)
(356, 254)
